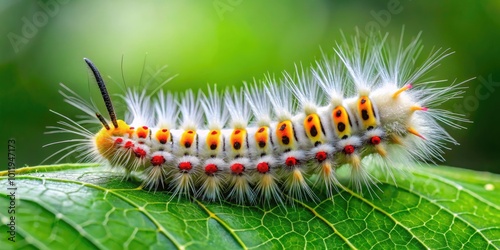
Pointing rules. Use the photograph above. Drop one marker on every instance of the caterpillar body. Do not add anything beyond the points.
(264, 142)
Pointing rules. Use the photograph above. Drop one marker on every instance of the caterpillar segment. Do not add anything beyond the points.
(263, 143)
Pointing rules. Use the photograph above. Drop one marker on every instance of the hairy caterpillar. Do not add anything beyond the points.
(263, 142)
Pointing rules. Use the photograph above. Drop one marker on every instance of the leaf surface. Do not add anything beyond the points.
(87, 206)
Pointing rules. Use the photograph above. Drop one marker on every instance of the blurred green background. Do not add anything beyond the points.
(226, 42)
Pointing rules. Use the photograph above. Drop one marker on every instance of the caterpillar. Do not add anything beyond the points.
(275, 139)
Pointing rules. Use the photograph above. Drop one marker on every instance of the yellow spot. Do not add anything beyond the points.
(213, 139)
(237, 140)
(401, 90)
(261, 137)
(414, 132)
(187, 138)
(284, 132)
(142, 132)
(489, 187)
(365, 109)
(312, 126)
(341, 122)
(162, 135)
(131, 131)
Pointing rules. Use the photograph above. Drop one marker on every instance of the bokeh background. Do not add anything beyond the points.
(226, 42)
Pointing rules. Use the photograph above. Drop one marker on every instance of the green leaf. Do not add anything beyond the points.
(88, 206)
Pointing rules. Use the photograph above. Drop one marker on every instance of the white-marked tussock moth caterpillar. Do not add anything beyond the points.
(262, 143)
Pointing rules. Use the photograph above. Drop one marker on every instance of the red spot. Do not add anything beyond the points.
(142, 134)
(157, 160)
(425, 108)
(237, 168)
(211, 169)
(321, 156)
(145, 127)
(185, 166)
(190, 131)
(118, 140)
(139, 152)
(214, 132)
(375, 140)
(263, 167)
(237, 131)
(164, 130)
(129, 144)
(131, 128)
(163, 141)
(291, 161)
(349, 149)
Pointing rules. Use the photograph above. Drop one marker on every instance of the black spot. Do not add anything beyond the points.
(321, 126)
(363, 101)
(338, 113)
(370, 127)
(262, 144)
(287, 150)
(246, 141)
(283, 127)
(317, 143)
(309, 119)
(213, 146)
(341, 127)
(237, 145)
(163, 141)
(263, 154)
(295, 134)
(285, 140)
(344, 137)
(187, 144)
(212, 156)
(197, 143)
(364, 114)
(313, 131)
(237, 156)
